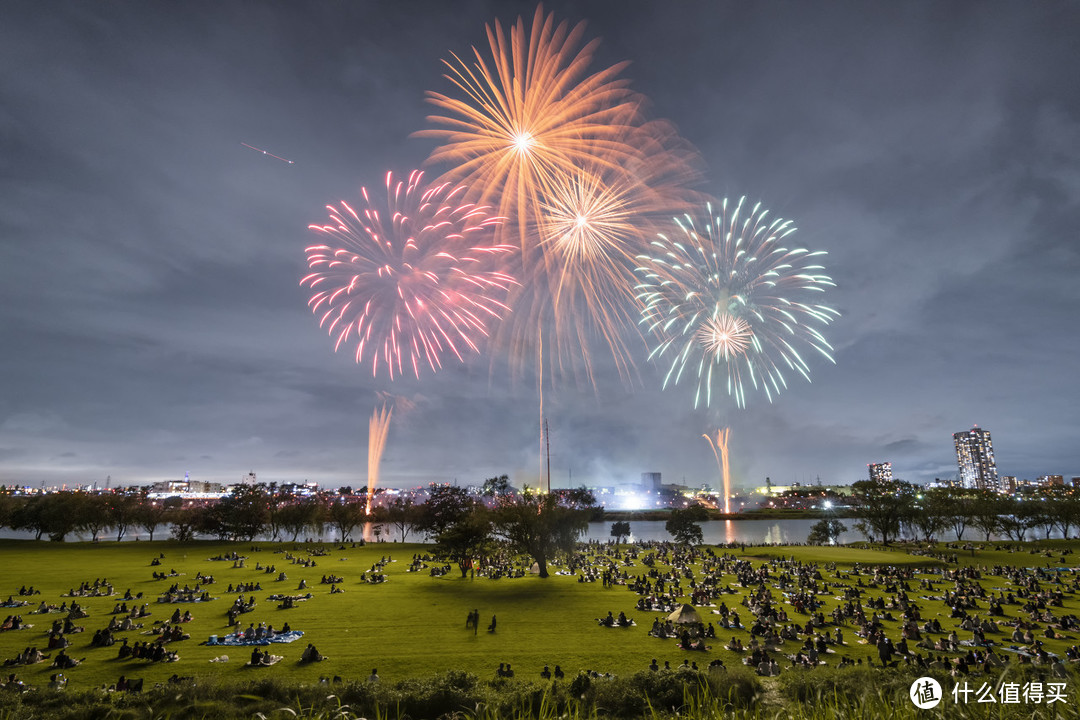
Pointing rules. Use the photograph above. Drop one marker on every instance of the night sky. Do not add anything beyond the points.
(152, 322)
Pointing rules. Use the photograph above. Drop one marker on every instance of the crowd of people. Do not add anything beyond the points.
(774, 614)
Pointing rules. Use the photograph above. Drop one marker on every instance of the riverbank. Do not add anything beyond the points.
(757, 514)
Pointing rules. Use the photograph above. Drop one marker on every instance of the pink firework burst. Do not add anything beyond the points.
(408, 286)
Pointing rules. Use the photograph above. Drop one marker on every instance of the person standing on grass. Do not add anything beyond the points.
(491, 627)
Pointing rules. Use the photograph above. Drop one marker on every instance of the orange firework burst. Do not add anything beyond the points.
(594, 225)
(563, 151)
(531, 113)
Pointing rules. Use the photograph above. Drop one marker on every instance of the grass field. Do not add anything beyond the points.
(413, 625)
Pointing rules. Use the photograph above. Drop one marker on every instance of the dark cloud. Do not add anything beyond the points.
(150, 310)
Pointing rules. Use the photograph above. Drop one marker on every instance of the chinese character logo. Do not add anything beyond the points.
(925, 693)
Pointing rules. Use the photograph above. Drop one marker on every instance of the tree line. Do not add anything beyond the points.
(463, 526)
(887, 511)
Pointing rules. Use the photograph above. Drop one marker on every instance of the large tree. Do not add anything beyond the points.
(1064, 505)
(150, 515)
(882, 506)
(344, 516)
(402, 514)
(931, 513)
(446, 505)
(542, 525)
(242, 515)
(683, 525)
(497, 487)
(124, 507)
(185, 521)
(466, 540)
(826, 532)
(297, 515)
(986, 510)
(91, 512)
(619, 530)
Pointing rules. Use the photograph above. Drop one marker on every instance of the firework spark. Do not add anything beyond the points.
(733, 302)
(532, 112)
(412, 284)
(720, 452)
(377, 431)
(565, 153)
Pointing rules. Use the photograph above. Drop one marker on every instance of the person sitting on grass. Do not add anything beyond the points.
(64, 662)
(310, 654)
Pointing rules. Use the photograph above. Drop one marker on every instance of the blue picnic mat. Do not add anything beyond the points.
(236, 640)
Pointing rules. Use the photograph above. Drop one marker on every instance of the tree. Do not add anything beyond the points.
(296, 516)
(497, 487)
(541, 526)
(243, 514)
(29, 514)
(619, 530)
(345, 516)
(185, 521)
(881, 507)
(150, 515)
(92, 513)
(445, 506)
(1017, 517)
(960, 511)
(986, 509)
(1065, 507)
(7, 507)
(123, 508)
(930, 514)
(466, 540)
(826, 532)
(56, 514)
(683, 525)
(402, 514)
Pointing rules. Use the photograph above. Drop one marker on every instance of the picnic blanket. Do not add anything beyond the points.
(237, 640)
(178, 599)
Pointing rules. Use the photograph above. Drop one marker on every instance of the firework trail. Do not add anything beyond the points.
(733, 302)
(409, 285)
(377, 431)
(720, 452)
(266, 152)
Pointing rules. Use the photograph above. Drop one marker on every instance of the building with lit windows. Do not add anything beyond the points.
(975, 459)
(880, 472)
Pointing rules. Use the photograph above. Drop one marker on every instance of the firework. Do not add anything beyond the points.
(377, 431)
(733, 302)
(593, 226)
(720, 452)
(531, 113)
(565, 153)
(409, 285)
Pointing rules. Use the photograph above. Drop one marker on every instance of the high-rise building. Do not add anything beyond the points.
(880, 472)
(975, 459)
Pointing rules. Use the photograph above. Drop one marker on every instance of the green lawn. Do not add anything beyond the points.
(412, 625)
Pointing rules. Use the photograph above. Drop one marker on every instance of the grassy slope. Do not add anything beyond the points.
(413, 625)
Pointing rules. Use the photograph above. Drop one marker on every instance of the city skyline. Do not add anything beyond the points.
(161, 168)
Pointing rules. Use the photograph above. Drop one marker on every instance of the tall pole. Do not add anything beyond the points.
(547, 443)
